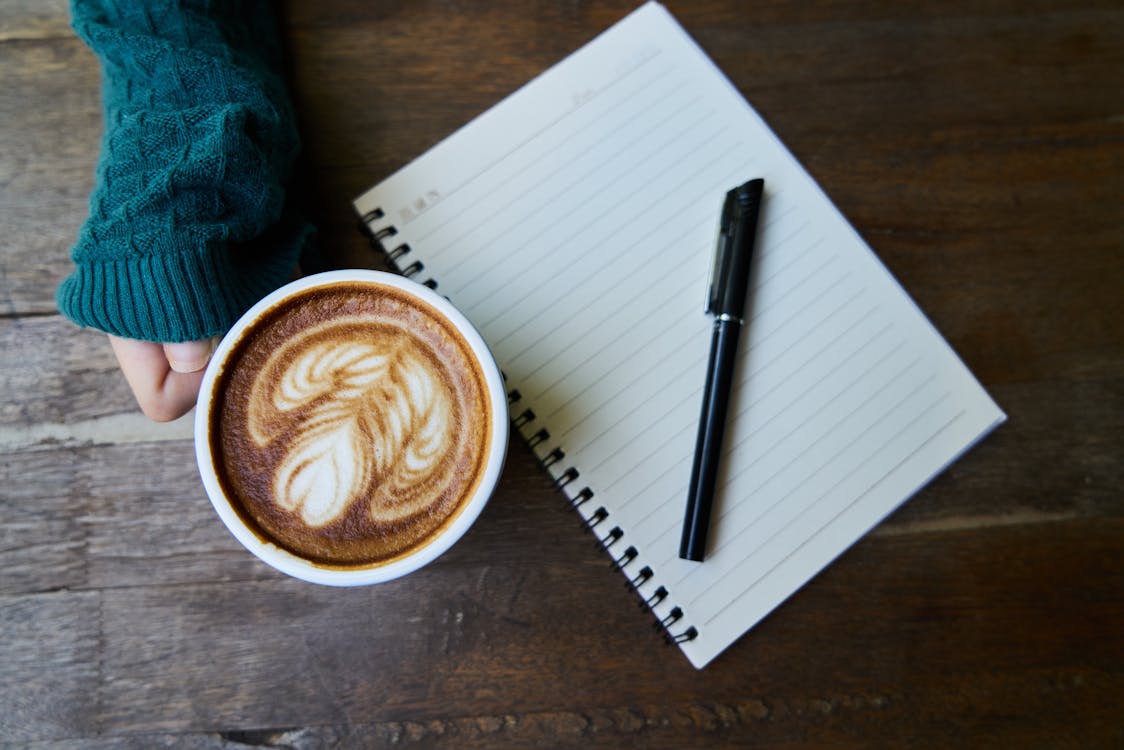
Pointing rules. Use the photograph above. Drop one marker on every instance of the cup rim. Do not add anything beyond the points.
(294, 565)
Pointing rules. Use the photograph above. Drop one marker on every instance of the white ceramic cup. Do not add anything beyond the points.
(291, 564)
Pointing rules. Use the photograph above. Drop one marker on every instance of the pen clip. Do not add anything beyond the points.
(719, 271)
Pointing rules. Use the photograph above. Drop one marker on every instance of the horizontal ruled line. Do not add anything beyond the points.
(532, 137)
(841, 510)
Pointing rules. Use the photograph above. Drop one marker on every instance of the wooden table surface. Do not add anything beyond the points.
(978, 145)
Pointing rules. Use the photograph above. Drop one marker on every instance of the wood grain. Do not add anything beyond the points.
(978, 147)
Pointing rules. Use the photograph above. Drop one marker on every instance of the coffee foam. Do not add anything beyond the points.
(352, 424)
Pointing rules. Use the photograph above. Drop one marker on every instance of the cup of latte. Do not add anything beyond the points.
(350, 427)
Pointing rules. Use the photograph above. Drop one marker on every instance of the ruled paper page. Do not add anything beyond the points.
(574, 224)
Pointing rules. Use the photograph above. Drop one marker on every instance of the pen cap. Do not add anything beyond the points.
(730, 281)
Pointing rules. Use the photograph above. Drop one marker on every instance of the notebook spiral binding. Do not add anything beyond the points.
(393, 254)
(670, 623)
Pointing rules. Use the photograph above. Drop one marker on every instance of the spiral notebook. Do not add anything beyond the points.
(574, 223)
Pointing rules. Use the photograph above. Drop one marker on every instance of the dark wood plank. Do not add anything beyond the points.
(158, 529)
(1049, 462)
(458, 656)
(52, 124)
(79, 526)
(22, 20)
(42, 538)
(50, 665)
(63, 374)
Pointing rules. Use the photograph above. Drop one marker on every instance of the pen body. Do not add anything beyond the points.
(729, 286)
(708, 446)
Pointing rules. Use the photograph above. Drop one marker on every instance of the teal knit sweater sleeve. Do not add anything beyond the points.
(189, 219)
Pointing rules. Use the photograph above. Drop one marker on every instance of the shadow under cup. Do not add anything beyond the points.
(350, 427)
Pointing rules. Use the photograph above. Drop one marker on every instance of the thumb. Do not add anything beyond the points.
(189, 356)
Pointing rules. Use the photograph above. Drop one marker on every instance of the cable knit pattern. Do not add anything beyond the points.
(189, 222)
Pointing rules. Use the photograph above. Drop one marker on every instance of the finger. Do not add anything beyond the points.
(162, 393)
(189, 356)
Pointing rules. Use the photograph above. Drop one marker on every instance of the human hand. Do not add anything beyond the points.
(164, 378)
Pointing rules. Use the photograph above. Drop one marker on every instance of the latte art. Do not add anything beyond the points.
(372, 418)
(351, 424)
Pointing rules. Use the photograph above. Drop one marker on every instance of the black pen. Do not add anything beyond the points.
(729, 284)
